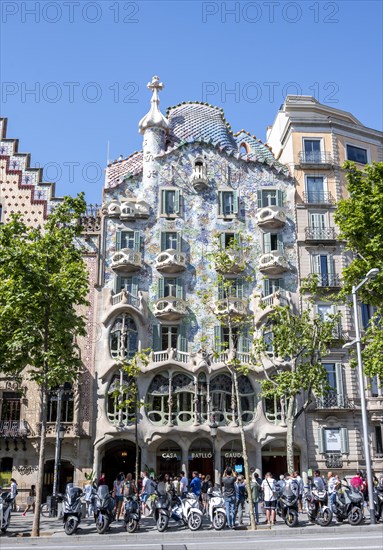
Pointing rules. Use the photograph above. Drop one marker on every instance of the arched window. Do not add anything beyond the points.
(120, 405)
(158, 400)
(273, 410)
(247, 398)
(183, 394)
(221, 392)
(123, 337)
(202, 397)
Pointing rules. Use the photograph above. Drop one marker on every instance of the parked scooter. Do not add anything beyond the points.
(187, 510)
(216, 508)
(287, 503)
(132, 514)
(162, 509)
(348, 504)
(378, 502)
(6, 500)
(72, 508)
(103, 511)
(317, 509)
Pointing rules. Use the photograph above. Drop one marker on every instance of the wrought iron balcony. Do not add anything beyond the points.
(326, 280)
(318, 198)
(320, 234)
(271, 217)
(170, 308)
(321, 158)
(13, 429)
(171, 261)
(126, 260)
(334, 401)
(334, 460)
(273, 262)
(231, 306)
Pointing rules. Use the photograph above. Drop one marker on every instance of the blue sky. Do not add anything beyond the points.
(89, 62)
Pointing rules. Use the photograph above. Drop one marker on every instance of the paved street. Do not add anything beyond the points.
(279, 537)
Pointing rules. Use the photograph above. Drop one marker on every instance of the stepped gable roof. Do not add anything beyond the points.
(119, 169)
(195, 121)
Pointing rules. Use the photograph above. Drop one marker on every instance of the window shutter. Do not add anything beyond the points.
(244, 341)
(222, 239)
(163, 202)
(179, 242)
(220, 202)
(134, 286)
(240, 288)
(331, 269)
(266, 242)
(221, 293)
(177, 201)
(182, 338)
(118, 240)
(163, 241)
(266, 287)
(321, 441)
(161, 288)
(317, 221)
(279, 242)
(235, 202)
(156, 337)
(316, 264)
(280, 198)
(137, 241)
(344, 444)
(259, 198)
(339, 383)
(180, 288)
(281, 283)
(217, 338)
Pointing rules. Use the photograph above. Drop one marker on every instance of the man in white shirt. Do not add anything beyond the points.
(183, 484)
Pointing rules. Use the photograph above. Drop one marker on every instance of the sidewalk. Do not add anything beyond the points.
(52, 527)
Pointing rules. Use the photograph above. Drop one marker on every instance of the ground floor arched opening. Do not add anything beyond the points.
(232, 455)
(274, 458)
(119, 456)
(200, 457)
(168, 460)
(66, 475)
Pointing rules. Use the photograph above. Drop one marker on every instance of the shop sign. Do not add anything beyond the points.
(233, 455)
(170, 455)
(202, 455)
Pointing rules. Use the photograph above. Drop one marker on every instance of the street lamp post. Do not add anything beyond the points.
(213, 432)
(370, 275)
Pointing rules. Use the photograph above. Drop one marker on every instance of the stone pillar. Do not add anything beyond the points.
(185, 461)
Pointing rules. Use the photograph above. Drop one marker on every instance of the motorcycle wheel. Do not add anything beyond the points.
(291, 518)
(44, 510)
(131, 525)
(325, 517)
(162, 523)
(219, 521)
(355, 516)
(70, 525)
(194, 521)
(102, 525)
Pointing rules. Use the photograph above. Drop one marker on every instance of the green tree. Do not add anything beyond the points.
(360, 219)
(43, 280)
(290, 358)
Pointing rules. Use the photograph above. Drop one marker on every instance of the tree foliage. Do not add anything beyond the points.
(360, 219)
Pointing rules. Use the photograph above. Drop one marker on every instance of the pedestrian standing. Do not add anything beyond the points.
(270, 497)
(206, 485)
(31, 500)
(256, 493)
(118, 494)
(299, 480)
(331, 488)
(195, 484)
(240, 496)
(228, 482)
(184, 482)
(14, 491)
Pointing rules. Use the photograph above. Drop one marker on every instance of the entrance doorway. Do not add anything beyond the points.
(274, 459)
(201, 458)
(169, 459)
(66, 474)
(119, 456)
(232, 455)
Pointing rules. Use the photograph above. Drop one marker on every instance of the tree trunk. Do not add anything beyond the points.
(290, 435)
(137, 465)
(40, 475)
(253, 524)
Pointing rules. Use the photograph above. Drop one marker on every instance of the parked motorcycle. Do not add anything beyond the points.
(378, 502)
(162, 509)
(348, 504)
(103, 511)
(187, 510)
(72, 508)
(317, 509)
(287, 503)
(6, 500)
(216, 508)
(132, 514)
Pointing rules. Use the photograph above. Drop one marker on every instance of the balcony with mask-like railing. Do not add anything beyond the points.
(273, 262)
(170, 261)
(126, 260)
(315, 159)
(199, 179)
(230, 261)
(271, 217)
(170, 308)
(320, 234)
(231, 306)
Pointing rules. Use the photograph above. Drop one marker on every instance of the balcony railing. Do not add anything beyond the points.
(271, 217)
(325, 280)
(13, 428)
(333, 401)
(171, 261)
(231, 306)
(125, 297)
(232, 263)
(334, 460)
(318, 197)
(320, 234)
(170, 354)
(170, 308)
(319, 158)
(199, 177)
(126, 260)
(273, 262)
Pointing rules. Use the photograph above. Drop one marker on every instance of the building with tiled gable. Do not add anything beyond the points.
(23, 191)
